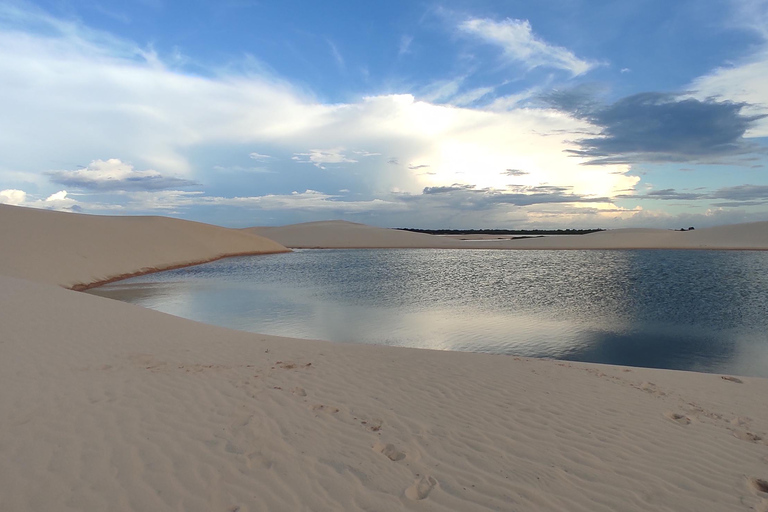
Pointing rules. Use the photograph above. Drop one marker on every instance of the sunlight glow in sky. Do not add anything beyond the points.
(452, 114)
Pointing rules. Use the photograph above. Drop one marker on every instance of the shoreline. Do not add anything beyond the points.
(755, 249)
(95, 284)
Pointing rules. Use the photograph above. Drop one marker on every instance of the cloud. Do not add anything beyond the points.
(118, 99)
(742, 193)
(739, 195)
(666, 194)
(240, 168)
(307, 201)
(470, 97)
(405, 44)
(520, 44)
(12, 196)
(60, 200)
(336, 54)
(446, 190)
(115, 175)
(318, 157)
(743, 83)
(470, 197)
(442, 91)
(515, 172)
(658, 127)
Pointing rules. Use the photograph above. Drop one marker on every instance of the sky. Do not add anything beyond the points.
(427, 114)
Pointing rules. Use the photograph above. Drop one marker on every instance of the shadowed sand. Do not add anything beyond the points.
(342, 234)
(109, 406)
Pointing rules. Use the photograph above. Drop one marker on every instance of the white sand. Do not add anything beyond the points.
(108, 406)
(72, 249)
(341, 234)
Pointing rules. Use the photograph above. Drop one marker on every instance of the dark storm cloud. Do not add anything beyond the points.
(657, 127)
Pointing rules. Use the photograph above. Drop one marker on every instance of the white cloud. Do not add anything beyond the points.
(61, 195)
(55, 201)
(13, 196)
(441, 91)
(405, 44)
(113, 174)
(336, 54)
(117, 100)
(741, 82)
(752, 15)
(318, 157)
(469, 97)
(520, 44)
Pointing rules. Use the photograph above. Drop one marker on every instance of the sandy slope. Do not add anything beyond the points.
(71, 249)
(108, 406)
(341, 234)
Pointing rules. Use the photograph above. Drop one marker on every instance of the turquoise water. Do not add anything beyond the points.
(689, 310)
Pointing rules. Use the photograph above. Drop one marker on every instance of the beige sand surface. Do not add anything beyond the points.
(342, 234)
(108, 406)
(72, 249)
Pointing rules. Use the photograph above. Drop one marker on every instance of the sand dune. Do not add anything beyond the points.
(72, 249)
(341, 234)
(108, 406)
(346, 235)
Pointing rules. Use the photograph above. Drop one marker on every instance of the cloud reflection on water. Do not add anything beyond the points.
(687, 310)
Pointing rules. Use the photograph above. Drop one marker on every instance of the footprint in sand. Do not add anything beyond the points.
(325, 408)
(680, 419)
(759, 485)
(650, 387)
(299, 391)
(420, 488)
(389, 450)
(740, 421)
(747, 436)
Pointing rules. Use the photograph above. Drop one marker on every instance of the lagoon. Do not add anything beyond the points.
(686, 310)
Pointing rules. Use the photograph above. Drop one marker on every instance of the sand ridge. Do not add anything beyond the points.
(109, 406)
(75, 250)
(348, 235)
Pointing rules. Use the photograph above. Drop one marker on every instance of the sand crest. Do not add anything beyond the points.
(342, 234)
(73, 250)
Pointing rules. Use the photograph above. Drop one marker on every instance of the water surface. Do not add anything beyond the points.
(689, 310)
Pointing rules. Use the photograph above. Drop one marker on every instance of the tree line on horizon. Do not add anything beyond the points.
(502, 231)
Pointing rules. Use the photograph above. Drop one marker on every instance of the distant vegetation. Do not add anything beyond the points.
(502, 231)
